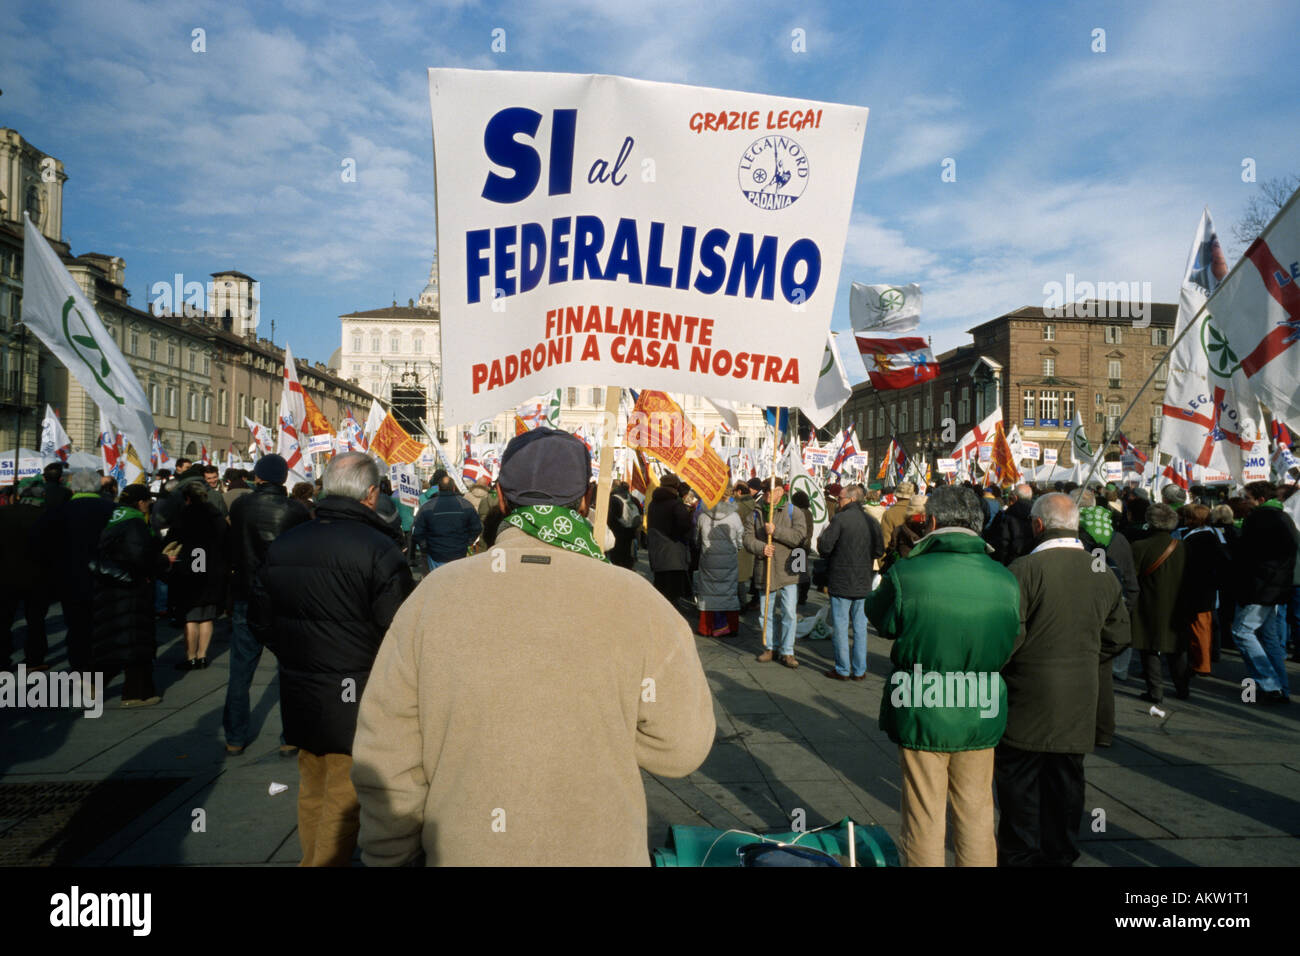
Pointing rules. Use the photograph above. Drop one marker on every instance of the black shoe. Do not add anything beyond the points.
(1149, 699)
(200, 663)
(1274, 697)
(187, 665)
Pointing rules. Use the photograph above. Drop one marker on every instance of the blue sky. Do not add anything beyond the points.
(1067, 160)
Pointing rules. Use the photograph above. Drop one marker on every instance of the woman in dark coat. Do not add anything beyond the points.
(130, 558)
(1160, 561)
(198, 578)
(669, 525)
(1207, 565)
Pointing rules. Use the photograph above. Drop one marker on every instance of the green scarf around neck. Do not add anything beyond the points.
(558, 526)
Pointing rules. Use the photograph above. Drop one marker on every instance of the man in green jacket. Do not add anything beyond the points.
(1074, 619)
(953, 614)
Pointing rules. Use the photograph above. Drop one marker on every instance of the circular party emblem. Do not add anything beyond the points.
(773, 172)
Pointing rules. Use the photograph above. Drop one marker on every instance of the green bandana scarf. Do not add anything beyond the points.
(125, 513)
(1097, 522)
(559, 526)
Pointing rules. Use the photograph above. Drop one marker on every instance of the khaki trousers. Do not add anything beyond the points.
(329, 815)
(931, 783)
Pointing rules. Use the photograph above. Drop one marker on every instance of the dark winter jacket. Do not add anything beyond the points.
(69, 535)
(669, 528)
(446, 526)
(130, 558)
(198, 578)
(322, 602)
(621, 505)
(1264, 556)
(257, 519)
(21, 568)
(1011, 534)
(850, 543)
(1072, 619)
(1155, 620)
(1207, 566)
(951, 612)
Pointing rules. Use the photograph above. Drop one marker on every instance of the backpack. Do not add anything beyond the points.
(628, 516)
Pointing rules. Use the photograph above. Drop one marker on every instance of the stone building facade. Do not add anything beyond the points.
(204, 368)
(1044, 370)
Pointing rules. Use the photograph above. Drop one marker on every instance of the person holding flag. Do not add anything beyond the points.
(778, 547)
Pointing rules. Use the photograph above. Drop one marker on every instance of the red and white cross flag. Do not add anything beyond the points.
(1210, 412)
(293, 411)
(969, 443)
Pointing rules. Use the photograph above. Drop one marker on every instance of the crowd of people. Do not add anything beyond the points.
(533, 669)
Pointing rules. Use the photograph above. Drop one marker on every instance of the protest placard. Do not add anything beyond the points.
(611, 231)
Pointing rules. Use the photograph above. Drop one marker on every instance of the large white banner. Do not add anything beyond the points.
(597, 230)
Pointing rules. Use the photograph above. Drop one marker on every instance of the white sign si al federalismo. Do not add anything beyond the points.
(609, 231)
(1254, 464)
(946, 466)
(1049, 456)
(1112, 470)
(1030, 450)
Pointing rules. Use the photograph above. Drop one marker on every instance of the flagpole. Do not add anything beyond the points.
(18, 405)
(613, 397)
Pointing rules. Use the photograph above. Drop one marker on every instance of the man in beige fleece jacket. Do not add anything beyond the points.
(519, 693)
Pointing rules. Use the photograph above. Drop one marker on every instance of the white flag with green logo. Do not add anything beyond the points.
(884, 308)
(800, 480)
(55, 308)
(1080, 448)
(832, 390)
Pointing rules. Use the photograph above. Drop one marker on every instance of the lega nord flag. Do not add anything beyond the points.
(888, 309)
(658, 426)
(1128, 448)
(1179, 472)
(290, 448)
(969, 443)
(261, 436)
(158, 457)
(203, 454)
(800, 480)
(887, 462)
(55, 442)
(833, 388)
(897, 363)
(1210, 415)
(1080, 447)
(58, 312)
(1281, 434)
(373, 421)
(392, 443)
(848, 448)
(1251, 325)
(293, 399)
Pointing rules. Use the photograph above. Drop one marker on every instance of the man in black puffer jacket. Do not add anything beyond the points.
(256, 520)
(322, 602)
(1011, 535)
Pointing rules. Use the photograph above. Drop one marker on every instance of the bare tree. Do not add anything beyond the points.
(1263, 206)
